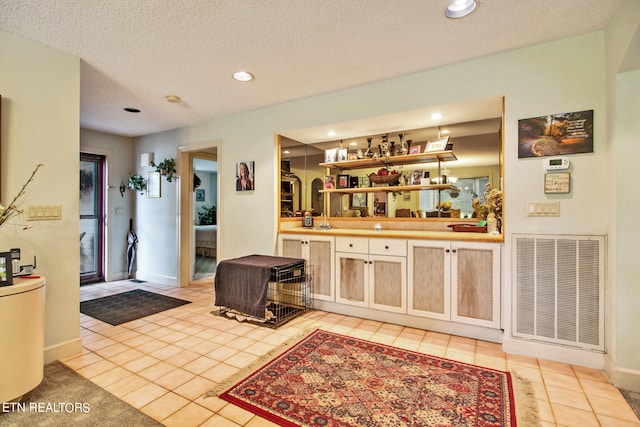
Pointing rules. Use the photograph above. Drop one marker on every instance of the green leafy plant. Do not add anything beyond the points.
(137, 183)
(167, 168)
(207, 215)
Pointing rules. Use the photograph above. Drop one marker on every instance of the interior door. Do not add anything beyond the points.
(91, 218)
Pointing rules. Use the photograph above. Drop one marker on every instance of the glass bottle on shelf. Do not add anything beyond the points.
(368, 154)
(403, 148)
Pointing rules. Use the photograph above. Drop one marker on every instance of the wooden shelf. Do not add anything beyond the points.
(394, 189)
(436, 156)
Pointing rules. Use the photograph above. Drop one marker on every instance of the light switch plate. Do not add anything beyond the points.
(543, 209)
(44, 213)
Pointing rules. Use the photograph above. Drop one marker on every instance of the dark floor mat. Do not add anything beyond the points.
(127, 306)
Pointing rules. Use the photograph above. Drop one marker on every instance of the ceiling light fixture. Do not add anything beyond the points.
(174, 99)
(460, 8)
(131, 110)
(243, 76)
(436, 116)
(331, 133)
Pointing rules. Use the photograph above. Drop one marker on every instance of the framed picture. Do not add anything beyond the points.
(417, 176)
(414, 149)
(330, 182)
(343, 181)
(244, 176)
(330, 155)
(342, 154)
(556, 134)
(153, 184)
(6, 275)
(357, 200)
(352, 156)
(354, 182)
(200, 195)
(438, 144)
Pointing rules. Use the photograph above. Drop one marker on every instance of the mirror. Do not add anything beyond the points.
(476, 144)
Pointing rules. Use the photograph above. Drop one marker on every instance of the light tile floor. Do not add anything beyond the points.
(162, 364)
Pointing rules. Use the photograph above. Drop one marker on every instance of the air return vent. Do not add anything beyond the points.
(559, 289)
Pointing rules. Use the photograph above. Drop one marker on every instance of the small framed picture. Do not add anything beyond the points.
(343, 181)
(330, 182)
(354, 182)
(342, 154)
(153, 184)
(416, 176)
(244, 176)
(352, 156)
(330, 155)
(200, 195)
(357, 200)
(6, 274)
(438, 144)
(414, 149)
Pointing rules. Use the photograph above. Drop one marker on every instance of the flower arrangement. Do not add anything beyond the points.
(13, 208)
(492, 205)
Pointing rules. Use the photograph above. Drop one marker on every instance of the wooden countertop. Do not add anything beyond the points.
(398, 234)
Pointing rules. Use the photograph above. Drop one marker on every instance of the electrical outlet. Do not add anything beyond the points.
(548, 209)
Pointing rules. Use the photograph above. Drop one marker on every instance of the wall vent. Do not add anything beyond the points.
(559, 289)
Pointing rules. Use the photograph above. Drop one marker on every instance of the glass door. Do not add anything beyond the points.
(91, 218)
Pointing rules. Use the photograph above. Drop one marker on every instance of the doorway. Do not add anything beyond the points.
(92, 171)
(205, 209)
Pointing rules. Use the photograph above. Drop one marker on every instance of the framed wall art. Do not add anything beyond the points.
(153, 184)
(200, 195)
(6, 275)
(556, 134)
(343, 181)
(244, 176)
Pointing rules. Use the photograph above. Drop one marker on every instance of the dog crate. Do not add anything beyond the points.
(289, 294)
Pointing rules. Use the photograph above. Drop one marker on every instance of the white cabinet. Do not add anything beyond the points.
(456, 281)
(318, 251)
(371, 273)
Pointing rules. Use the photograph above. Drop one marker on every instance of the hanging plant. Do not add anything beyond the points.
(167, 168)
(137, 183)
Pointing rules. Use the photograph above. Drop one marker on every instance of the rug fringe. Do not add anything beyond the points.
(253, 366)
(525, 401)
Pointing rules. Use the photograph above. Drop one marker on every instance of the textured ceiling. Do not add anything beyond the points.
(134, 53)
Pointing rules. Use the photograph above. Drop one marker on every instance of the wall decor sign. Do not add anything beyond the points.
(438, 144)
(153, 184)
(557, 183)
(200, 195)
(556, 134)
(244, 176)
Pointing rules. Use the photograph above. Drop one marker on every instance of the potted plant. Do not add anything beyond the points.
(167, 168)
(137, 183)
(207, 215)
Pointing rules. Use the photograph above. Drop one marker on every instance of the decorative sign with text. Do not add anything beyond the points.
(556, 134)
(557, 183)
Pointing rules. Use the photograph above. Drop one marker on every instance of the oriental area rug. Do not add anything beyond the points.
(328, 379)
(127, 306)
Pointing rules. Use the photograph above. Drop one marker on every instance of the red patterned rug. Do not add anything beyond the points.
(329, 379)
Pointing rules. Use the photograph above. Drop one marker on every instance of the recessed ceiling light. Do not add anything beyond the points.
(131, 110)
(353, 143)
(286, 152)
(243, 76)
(331, 133)
(174, 99)
(436, 116)
(460, 8)
(446, 131)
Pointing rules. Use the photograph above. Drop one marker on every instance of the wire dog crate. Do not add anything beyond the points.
(289, 294)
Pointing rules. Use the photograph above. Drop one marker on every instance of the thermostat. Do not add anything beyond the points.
(557, 163)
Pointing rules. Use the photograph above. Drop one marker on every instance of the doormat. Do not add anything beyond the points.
(331, 379)
(127, 306)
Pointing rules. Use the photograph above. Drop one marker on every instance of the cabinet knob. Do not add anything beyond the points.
(447, 250)
(350, 245)
(453, 250)
(386, 247)
(370, 262)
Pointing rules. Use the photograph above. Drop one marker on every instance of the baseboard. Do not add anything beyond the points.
(555, 352)
(628, 379)
(156, 278)
(62, 350)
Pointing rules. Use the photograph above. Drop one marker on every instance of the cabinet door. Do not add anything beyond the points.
(352, 272)
(321, 257)
(291, 246)
(428, 279)
(388, 281)
(475, 281)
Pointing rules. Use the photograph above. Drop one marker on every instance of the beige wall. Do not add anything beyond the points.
(40, 90)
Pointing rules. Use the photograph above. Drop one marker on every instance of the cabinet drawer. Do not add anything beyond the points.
(358, 245)
(395, 247)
